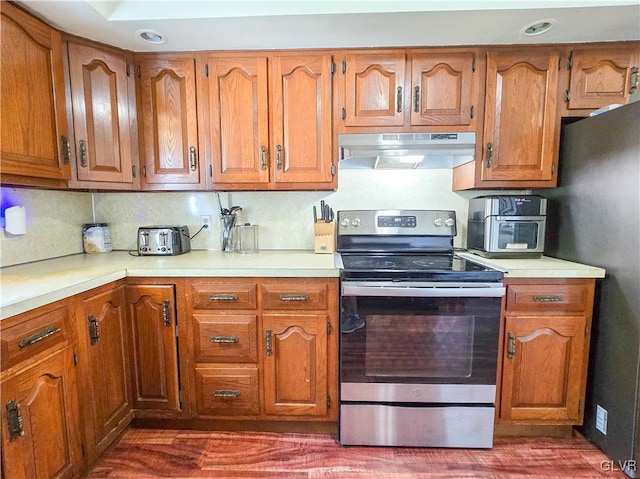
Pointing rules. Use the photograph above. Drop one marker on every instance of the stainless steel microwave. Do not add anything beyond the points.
(507, 226)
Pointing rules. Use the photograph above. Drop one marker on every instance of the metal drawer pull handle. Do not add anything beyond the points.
(94, 329)
(268, 342)
(193, 160)
(224, 339)
(511, 345)
(223, 297)
(39, 336)
(633, 80)
(399, 100)
(263, 157)
(278, 157)
(226, 393)
(548, 299)
(416, 99)
(294, 297)
(14, 420)
(83, 153)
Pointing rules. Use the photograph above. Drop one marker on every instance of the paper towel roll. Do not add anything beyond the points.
(16, 220)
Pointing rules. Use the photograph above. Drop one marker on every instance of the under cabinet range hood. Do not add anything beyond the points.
(405, 150)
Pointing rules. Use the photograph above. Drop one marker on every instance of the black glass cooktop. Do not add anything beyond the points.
(421, 267)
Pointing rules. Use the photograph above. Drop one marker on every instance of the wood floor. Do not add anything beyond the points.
(149, 454)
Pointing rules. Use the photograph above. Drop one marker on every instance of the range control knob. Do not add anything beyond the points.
(355, 222)
(449, 222)
(345, 222)
(438, 222)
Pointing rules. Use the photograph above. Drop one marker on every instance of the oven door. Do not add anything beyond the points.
(419, 342)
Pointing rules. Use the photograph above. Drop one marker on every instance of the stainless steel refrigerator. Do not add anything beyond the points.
(594, 218)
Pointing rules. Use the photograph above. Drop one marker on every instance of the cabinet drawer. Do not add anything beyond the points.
(225, 338)
(548, 297)
(34, 332)
(224, 391)
(223, 295)
(294, 296)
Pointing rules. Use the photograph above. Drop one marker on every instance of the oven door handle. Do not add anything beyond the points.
(428, 290)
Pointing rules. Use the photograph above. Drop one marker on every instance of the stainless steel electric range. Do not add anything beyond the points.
(419, 331)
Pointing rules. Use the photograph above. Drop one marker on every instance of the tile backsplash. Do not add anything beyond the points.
(284, 219)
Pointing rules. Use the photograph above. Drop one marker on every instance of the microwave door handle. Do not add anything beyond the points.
(476, 291)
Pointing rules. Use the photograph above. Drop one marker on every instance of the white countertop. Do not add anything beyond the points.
(545, 267)
(28, 286)
(31, 285)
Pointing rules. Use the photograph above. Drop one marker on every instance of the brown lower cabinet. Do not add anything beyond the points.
(103, 366)
(41, 436)
(545, 351)
(152, 318)
(264, 348)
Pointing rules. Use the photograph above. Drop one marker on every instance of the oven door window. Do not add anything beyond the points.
(517, 235)
(420, 340)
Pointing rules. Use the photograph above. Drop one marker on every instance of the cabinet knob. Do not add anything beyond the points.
(489, 154)
(83, 153)
(399, 100)
(263, 157)
(14, 420)
(416, 99)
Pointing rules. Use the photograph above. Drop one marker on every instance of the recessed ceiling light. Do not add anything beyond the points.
(151, 36)
(538, 28)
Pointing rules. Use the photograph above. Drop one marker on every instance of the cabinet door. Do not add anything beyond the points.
(104, 366)
(543, 369)
(153, 347)
(34, 125)
(602, 76)
(44, 396)
(520, 117)
(374, 85)
(295, 364)
(100, 97)
(443, 89)
(239, 129)
(169, 129)
(300, 112)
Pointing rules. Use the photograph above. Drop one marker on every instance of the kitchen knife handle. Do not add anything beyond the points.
(192, 158)
(263, 157)
(511, 345)
(416, 99)
(399, 100)
(278, 157)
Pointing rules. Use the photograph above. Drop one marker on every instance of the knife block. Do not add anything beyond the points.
(325, 238)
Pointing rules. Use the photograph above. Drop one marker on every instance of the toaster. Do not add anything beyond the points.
(163, 240)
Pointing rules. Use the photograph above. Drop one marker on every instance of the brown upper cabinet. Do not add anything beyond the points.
(34, 137)
(426, 89)
(601, 76)
(269, 121)
(103, 113)
(168, 124)
(521, 123)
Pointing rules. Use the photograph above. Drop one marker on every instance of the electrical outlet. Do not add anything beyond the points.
(205, 222)
(601, 419)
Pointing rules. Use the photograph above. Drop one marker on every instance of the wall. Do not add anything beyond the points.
(54, 224)
(55, 218)
(285, 219)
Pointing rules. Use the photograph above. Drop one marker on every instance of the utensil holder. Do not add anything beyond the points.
(325, 237)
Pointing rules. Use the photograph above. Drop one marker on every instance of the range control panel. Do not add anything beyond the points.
(397, 222)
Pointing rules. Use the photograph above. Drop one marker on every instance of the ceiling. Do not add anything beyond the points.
(260, 24)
